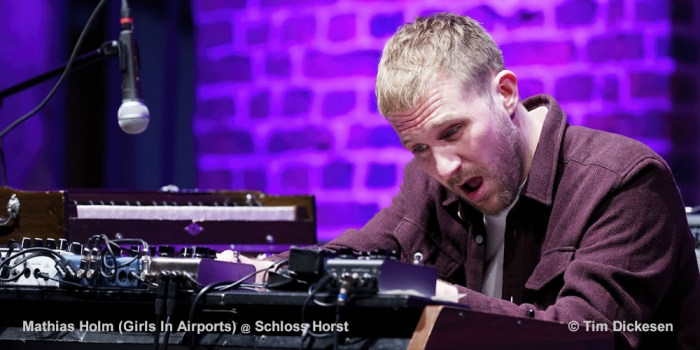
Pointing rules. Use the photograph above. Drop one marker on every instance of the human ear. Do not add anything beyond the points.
(507, 90)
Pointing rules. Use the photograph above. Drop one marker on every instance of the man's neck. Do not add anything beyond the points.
(531, 123)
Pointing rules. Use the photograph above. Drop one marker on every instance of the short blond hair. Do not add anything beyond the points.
(439, 45)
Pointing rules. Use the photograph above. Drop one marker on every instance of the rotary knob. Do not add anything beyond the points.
(62, 244)
(393, 255)
(346, 253)
(38, 242)
(380, 254)
(76, 248)
(187, 252)
(201, 252)
(166, 251)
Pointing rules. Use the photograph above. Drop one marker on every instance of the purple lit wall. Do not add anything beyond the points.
(285, 102)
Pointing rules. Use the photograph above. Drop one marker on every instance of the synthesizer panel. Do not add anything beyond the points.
(109, 264)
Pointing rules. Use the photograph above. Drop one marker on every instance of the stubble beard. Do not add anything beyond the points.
(504, 178)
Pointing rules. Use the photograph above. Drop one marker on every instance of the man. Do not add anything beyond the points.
(521, 213)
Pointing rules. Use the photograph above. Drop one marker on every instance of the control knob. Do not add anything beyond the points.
(201, 252)
(62, 244)
(346, 253)
(76, 248)
(166, 251)
(384, 254)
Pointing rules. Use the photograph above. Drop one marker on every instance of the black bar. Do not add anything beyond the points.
(110, 48)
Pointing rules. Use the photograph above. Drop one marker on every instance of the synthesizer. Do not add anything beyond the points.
(253, 221)
(346, 272)
(54, 263)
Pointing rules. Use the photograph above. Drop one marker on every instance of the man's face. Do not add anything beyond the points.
(467, 143)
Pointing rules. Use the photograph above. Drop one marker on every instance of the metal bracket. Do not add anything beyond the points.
(12, 210)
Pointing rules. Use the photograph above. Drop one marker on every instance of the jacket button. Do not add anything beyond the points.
(479, 239)
(418, 257)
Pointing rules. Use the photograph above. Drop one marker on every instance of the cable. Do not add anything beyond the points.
(348, 283)
(55, 87)
(227, 284)
(103, 256)
(173, 290)
(196, 301)
(235, 284)
(48, 252)
(143, 243)
(38, 274)
(136, 275)
(326, 279)
(192, 280)
(111, 253)
(335, 327)
(320, 303)
(63, 267)
(2, 163)
(276, 266)
(161, 294)
(10, 249)
(109, 244)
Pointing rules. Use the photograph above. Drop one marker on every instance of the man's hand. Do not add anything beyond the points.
(446, 291)
(259, 265)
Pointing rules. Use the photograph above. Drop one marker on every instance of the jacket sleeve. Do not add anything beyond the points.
(626, 260)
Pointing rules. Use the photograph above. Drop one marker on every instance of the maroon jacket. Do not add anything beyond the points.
(599, 233)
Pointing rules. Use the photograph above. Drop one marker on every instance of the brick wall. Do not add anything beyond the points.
(285, 100)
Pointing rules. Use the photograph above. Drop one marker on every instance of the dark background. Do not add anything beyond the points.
(164, 153)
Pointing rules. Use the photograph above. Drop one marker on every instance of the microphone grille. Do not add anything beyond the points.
(133, 117)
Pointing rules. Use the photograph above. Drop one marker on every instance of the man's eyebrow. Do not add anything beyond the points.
(436, 124)
(439, 123)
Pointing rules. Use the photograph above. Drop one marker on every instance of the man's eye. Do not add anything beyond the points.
(451, 131)
(420, 149)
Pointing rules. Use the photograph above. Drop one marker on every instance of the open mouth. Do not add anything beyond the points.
(473, 184)
(474, 189)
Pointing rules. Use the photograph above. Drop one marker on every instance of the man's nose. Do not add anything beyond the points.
(447, 165)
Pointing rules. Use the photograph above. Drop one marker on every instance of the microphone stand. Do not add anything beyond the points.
(108, 49)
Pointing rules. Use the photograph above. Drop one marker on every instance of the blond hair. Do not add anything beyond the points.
(440, 45)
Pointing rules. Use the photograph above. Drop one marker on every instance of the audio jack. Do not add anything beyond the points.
(348, 282)
(46, 277)
(347, 285)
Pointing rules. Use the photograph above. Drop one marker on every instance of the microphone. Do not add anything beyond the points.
(133, 115)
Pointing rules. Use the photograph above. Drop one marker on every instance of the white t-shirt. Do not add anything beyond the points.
(495, 237)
